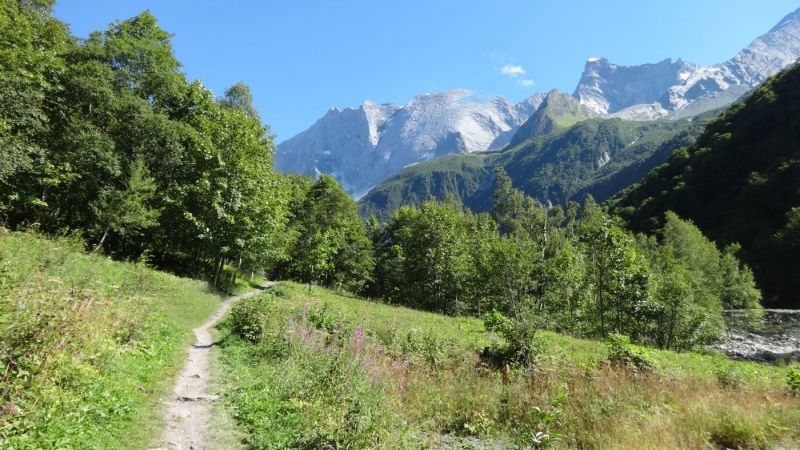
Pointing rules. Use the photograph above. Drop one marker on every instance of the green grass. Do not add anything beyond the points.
(88, 346)
(470, 334)
(307, 367)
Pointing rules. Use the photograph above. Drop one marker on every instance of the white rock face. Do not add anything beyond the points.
(363, 146)
(682, 88)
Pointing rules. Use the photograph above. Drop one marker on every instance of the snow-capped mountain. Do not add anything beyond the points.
(681, 88)
(363, 146)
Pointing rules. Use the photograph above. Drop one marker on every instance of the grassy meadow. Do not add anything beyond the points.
(309, 368)
(88, 346)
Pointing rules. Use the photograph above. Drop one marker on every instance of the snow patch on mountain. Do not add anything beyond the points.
(365, 145)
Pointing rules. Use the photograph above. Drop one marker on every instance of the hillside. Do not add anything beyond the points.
(596, 156)
(556, 111)
(305, 368)
(740, 183)
(464, 177)
(87, 345)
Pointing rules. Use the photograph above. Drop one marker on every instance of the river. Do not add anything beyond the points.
(773, 338)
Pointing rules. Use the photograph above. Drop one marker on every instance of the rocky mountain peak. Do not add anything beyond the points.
(363, 146)
(682, 88)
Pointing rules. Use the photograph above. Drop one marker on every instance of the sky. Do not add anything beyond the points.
(302, 57)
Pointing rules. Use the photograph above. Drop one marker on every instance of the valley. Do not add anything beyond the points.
(612, 268)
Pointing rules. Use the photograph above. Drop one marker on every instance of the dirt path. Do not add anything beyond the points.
(188, 411)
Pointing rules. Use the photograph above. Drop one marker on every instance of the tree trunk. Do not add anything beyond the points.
(233, 276)
(219, 266)
(102, 240)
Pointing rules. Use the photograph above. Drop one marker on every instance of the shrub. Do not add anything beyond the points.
(326, 319)
(733, 432)
(518, 333)
(247, 317)
(729, 378)
(793, 380)
(622, 354)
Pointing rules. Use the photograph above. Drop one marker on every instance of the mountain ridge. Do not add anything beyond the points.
(361, 152)
(363, 146)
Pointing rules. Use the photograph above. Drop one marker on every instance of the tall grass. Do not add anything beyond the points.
(309, 366)
(88, 346)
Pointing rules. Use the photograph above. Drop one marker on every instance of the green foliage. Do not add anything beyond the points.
(425, 258)
(793, 380)
(729, 378)
(739, 184)
(316, 393)
(246, 318)
(126, 211)
(466, 177)
(732, 432)
(519, 334)
(580, 272)
(622, 354)
(111, 122)
(569, 398)
(331, 246)
(240, 97)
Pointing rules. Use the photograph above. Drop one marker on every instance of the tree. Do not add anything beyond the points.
(616, 277)
(738, 287)
(126, 211)
(425, 257)
(239, 97)
(331, 247)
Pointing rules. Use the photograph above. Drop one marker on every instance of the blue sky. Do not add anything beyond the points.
(303, 57)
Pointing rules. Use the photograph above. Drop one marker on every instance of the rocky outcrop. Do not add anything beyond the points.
(363, 146)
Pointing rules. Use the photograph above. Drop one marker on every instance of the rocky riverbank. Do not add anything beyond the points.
(774, 337)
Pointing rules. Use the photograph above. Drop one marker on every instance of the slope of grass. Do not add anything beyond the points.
(88, 346)
(305, 368)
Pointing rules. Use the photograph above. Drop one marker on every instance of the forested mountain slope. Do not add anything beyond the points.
(596, 156)
(740, 182)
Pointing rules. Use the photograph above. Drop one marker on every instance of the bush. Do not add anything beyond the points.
(622, 354)
(733, 432)
(793, 380)
(729, 378)
(247, 317)
(326, 319)
(518, 333)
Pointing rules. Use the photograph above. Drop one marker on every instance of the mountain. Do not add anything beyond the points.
(557, 110)
(363, 146)
(595, 156)
(681, 88)
(740, 182)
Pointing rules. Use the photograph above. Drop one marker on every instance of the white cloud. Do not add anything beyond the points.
(517, 73)
(512, 71)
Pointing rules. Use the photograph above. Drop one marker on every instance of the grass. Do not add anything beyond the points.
(307, 368)
(88, 346)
